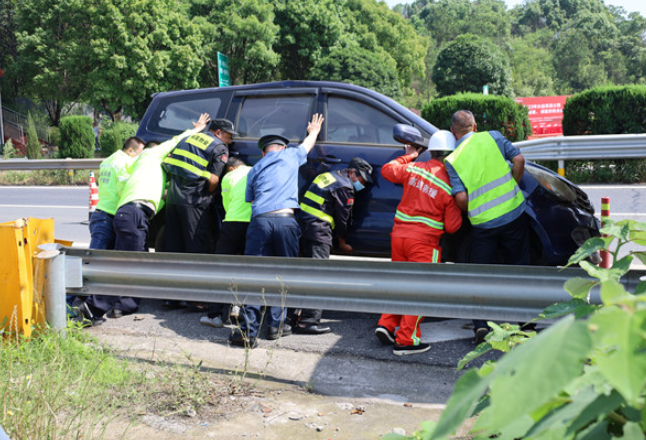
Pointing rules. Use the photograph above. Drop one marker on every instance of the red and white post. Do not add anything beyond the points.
(605, 215)
(94, 195)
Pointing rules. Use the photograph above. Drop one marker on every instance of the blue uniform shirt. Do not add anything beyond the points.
(509, 152)
(272, 183)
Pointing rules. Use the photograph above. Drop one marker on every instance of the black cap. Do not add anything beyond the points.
(270, 139)
(363, 168)
(222, 124)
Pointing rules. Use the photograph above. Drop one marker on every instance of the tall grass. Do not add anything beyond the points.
(45, 177)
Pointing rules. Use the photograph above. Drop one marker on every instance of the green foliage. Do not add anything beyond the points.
(33, 144)
(77, 137)
(114, 135)
(8, 151)
(374, 70)
(137, 49)
(583, 377)
(243, 30)
(470, 62)
(491, 113)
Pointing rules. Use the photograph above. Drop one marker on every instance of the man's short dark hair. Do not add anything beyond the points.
(132, 142)
(462, 122)
(234, 162)
(151, 144)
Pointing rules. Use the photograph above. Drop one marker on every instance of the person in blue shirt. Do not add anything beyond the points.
(272, 189)
(486, 187)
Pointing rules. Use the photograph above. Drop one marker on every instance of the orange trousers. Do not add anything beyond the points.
(409, 249)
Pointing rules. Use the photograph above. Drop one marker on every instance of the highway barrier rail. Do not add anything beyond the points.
(495, 292)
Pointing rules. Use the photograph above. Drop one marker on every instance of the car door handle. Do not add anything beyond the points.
(328, 159)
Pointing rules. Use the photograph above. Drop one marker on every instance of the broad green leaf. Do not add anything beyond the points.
(535, 372)
(561, 417)
(596, 431)
(591, 246)
(620, 334)
(599, 408)
(611, 291)
(517, 428)
(618, 269)
(585, 311)
(641, 256)
(638, 237)
(562, 308)
(474, 354)
(632, 431)
(579, 287)
(465, 397)
(620, 229)
(428, 427)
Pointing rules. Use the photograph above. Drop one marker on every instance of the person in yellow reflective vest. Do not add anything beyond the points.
(326, 208)
(485, 185)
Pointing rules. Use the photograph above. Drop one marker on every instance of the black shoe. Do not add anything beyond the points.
(83, 315)
(405, 350)
(239, 339)
(274, 333)
(174, 304)
(311, 329)
(480, 335)
(115, 313)
(384, 335)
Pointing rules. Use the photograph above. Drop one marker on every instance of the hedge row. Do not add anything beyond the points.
(491, 113)
(114, 135)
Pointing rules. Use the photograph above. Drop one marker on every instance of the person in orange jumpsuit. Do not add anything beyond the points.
(425, 211)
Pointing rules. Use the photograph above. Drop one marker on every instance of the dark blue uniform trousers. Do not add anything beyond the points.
(269, 235)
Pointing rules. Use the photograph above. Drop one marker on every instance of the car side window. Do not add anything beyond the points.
(176, 116)
(283, 115)
(352, 121)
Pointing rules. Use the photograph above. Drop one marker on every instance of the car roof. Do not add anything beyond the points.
(318, 84)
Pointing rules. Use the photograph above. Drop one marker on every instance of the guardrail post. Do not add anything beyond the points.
(561, 169)
(54, 289)
(605, 215)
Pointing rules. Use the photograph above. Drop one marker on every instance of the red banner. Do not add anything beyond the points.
(545, 114)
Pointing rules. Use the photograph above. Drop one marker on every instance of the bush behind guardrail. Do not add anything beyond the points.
(77, 137)
(606, 110)
(114, 135)
(491, 113)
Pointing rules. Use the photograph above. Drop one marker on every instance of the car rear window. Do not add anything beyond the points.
(349, 120)
(283, 115)
(176, 114)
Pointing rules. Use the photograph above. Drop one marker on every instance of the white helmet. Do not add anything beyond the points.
(442, 140)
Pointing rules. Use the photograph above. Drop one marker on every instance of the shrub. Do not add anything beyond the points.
(491, 113)
(8, 151)
(606, 110)
(77, 137)
(114, 135)
(33, 144)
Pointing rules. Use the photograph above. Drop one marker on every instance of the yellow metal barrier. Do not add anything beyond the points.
(21, 302)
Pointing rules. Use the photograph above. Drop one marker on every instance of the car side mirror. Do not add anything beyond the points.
(407, 134)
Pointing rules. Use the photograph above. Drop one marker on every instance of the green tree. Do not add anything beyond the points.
(374, 69)
(470, 62)
(244, 30)
(8, 46)
(52, 61)
(308, 30)
(33, 144)
(379, 30)
(531, 65)
(77, 137)
(137, 49)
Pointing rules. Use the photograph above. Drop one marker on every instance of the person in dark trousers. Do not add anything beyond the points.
(113, 175)
(272, 188)
(195, 168)
(140, 200)
(425, 212)
(486, 187)
(234, 227)
(326, 207)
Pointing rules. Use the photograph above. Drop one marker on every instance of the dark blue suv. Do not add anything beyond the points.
(360, 122)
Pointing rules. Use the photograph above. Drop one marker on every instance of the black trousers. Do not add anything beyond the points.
(189, 229)
(319, 251)
(232, 239)
(507, 244)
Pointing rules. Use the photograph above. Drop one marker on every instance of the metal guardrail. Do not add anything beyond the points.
(608, 146)
(50, 164)
(496, 292)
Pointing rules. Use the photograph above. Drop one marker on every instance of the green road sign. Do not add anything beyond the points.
(223, 70)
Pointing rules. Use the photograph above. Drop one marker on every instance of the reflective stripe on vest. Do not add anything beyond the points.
(190, 156)
(418, 219)
(492, 190)
(312, 202)
(430, 177)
